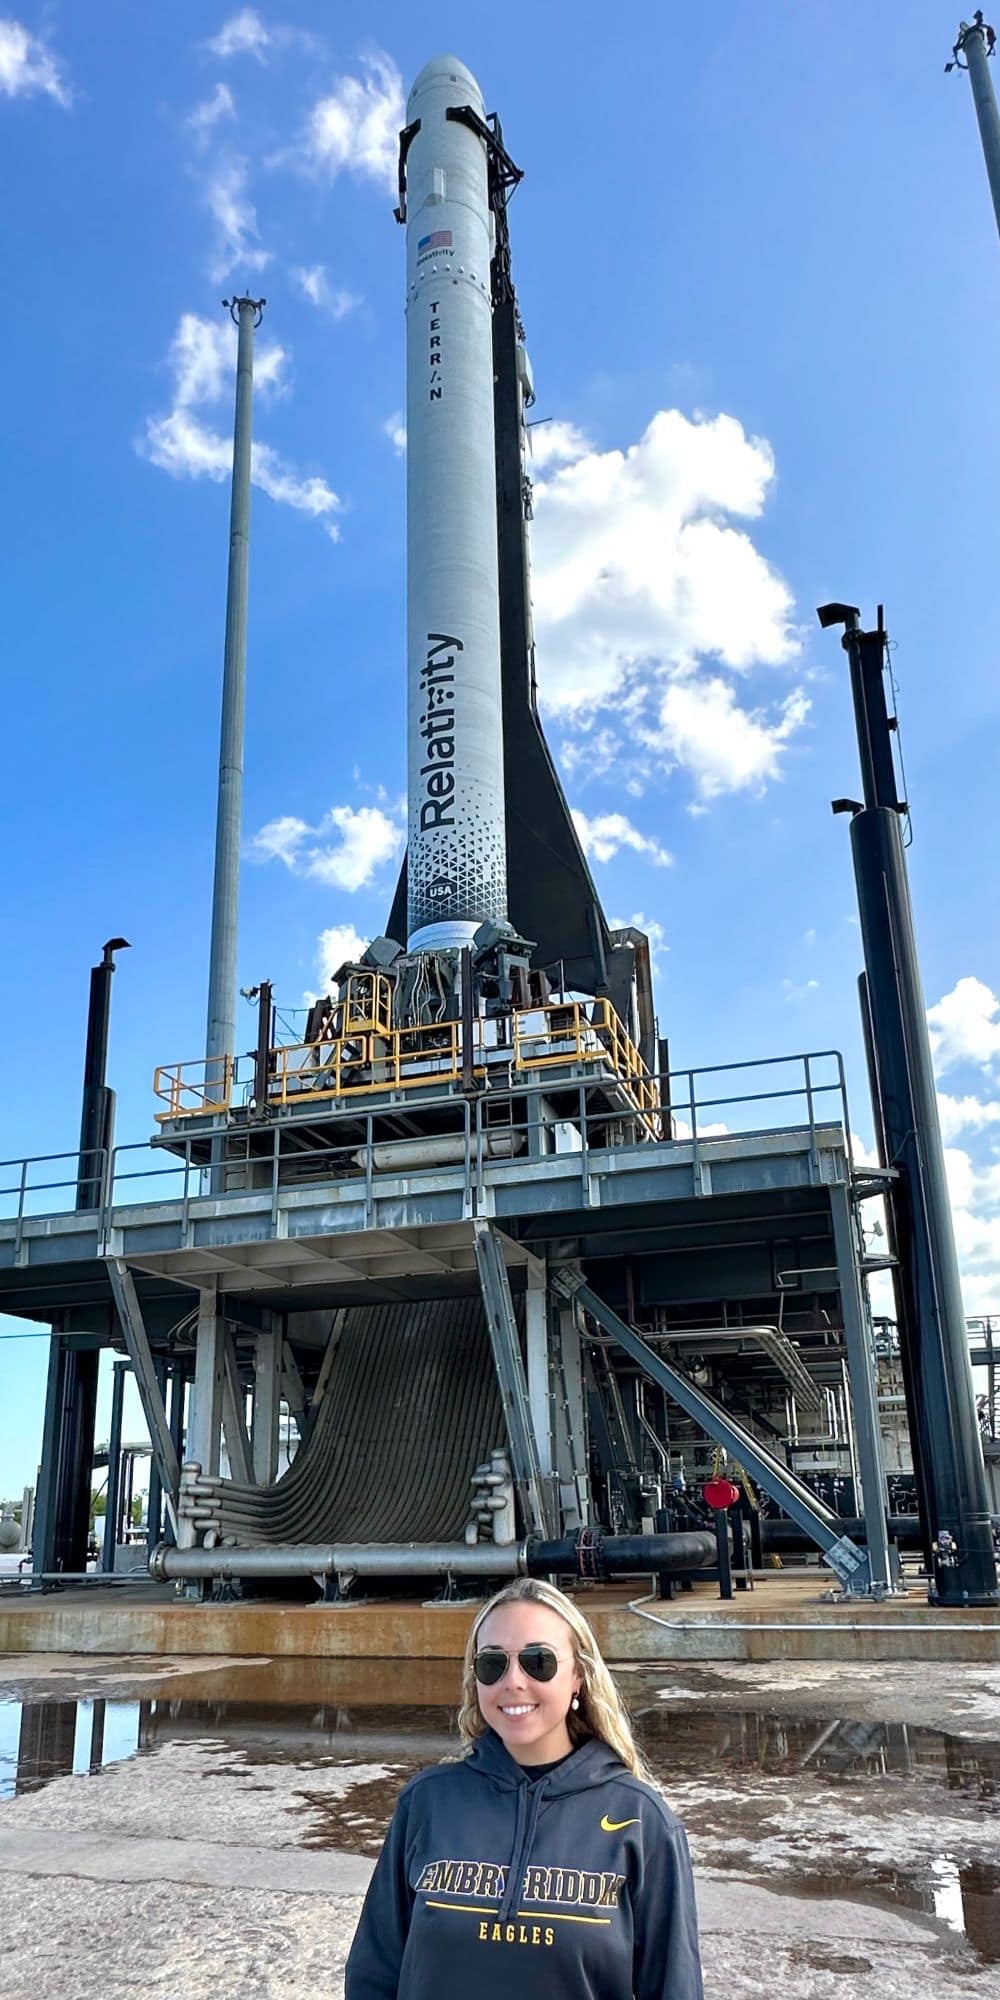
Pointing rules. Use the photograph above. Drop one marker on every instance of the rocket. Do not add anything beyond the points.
(491, 847)
(457, 853)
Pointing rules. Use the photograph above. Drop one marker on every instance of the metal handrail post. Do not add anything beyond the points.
(813, 1154)
(186, 1196)
(275, 1172)
(22, 1190)
(695, 1147)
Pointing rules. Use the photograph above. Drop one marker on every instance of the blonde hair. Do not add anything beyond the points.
(601, 1712)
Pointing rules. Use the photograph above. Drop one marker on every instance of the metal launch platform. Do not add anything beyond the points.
(330, 1258)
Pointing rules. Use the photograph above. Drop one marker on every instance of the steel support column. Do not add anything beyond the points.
(113, 1495)
(143, 1368)
(62, 1511)
(873, 1499)
(536, 1334)
(505, 1345)
(266, 1406)
(205, 1426)
(234, 1422)
(154, 1511)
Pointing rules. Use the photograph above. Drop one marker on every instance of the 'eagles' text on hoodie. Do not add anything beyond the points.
(490, 1886)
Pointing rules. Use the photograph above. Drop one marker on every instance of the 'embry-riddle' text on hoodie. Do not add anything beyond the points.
(490, 1886)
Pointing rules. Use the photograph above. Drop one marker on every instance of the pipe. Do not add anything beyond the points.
(440, 1150)
(905, 1529)
(622, 1555)
(876, 1626)
(97, 1109)
(584, 1555)
(328, 1559)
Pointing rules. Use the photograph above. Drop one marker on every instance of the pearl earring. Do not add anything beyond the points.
(575, 1703)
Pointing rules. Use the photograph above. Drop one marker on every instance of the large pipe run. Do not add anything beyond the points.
(612, 1555)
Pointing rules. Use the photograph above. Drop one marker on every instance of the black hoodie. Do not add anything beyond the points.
(491, 1887)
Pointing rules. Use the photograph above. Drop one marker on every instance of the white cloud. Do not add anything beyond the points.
(555, 442)
(28, 65)
(205, 116)
(964, 1025)
(975, 1198)
(202, 357)
(604, 836)
(640, 578)
(965, 1114)
(334, 947)
(243, 34)
(681, 1128)
(395, 430)
(794, 990)
(346, 849)
(314, 285)
(356, 126)
(726, 748)
(235, 218)
(965, 1032)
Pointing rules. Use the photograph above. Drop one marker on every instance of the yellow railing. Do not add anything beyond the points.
(190, 1088)
(371, 1060)
(367, 1004)
(576, 1032)
(359, 1064)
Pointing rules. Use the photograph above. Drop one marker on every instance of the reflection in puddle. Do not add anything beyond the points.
(406, 1720)
(688, 1743)
(42, 1740)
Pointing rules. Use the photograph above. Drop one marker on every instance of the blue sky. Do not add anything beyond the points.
(758, 269)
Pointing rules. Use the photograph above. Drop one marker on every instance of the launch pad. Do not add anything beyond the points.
(511, 1294)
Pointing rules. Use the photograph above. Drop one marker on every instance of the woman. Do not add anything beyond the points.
(541, 1864)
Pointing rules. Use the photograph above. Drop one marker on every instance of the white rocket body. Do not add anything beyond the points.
(457, 858)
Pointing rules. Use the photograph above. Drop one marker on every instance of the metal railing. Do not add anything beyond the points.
(591, 1033)
(368, 1056)
(189, 1089)
(493, 1134)
(357, 1065)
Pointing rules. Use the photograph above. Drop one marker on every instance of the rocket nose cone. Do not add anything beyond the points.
(447, 74)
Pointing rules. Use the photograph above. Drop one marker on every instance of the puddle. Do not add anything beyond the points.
(806, 1805)
(42, 1740)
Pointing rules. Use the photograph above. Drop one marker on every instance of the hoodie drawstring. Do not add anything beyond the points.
(524, 1839)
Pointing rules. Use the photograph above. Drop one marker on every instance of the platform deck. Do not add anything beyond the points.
(783, 1618)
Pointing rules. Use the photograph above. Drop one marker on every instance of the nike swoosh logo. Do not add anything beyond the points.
(615, 1825)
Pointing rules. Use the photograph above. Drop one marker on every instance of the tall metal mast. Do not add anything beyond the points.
(934, 1350)
(975, 44)
(221, 1029)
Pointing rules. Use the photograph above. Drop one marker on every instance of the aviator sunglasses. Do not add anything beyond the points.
(540, 1663)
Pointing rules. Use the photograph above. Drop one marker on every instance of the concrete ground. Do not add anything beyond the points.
(845, 1825)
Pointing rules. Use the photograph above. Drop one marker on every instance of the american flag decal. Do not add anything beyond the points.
(439, 239)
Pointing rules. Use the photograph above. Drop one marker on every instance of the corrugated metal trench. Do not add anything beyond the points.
(412, 1408)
